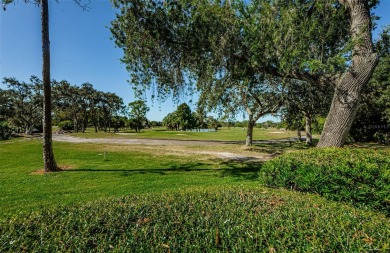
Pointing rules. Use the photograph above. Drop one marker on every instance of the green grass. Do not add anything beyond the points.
(88, 176)
(235, 219)
(139, 198)
(224, 134)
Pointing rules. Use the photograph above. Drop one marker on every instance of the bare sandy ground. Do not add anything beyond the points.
(159, 142)
(172, 144)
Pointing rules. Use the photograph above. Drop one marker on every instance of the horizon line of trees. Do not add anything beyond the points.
(78, 107)
(74, 107)
(184, 119)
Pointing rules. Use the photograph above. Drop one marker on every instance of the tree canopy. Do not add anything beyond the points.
(167, 40)
(181, 119)
(372, 122)
(24, 103)
(138, 110)
(177, 43)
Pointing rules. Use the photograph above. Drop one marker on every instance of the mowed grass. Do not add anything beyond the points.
(116, 198)
(235, 219)
(223, 134)
(94, 171)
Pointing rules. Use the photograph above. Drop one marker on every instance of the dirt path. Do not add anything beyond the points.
(172, 144)
(159, 142)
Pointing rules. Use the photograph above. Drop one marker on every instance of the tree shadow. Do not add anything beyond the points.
(278, 148)
(243, 169)
(189, 167)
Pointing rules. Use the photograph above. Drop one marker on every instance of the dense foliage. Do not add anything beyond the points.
(5, 131)
(21, 105)
(305, 103)
(138, 110)
(180, 119)
(372, 122)
(356, 176)
(225, 46)
(229, 40)
(85, 106)
(230, 220)
(184, 119)
(66, 125)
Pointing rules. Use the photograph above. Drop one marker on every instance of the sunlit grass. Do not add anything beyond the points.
(94, 171)
(179, 198)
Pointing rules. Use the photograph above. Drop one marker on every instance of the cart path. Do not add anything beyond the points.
(165, 142)
(160, 142)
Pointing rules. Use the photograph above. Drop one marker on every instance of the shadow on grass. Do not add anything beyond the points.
(243, 169)
(189, 167)
(278, 148)
(247, 169)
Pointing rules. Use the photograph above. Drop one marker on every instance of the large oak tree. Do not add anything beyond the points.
(24, 103)
(328, 42)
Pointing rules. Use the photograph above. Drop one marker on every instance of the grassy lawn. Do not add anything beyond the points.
(138, 198)
(223, 134)
(94, 171)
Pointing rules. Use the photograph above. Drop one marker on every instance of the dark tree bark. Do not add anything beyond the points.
(29, 130)
(95, 125)
(48, 156)
(75, 125)
(249, 131)
(299, 134)
(348, 87)
(309, 138)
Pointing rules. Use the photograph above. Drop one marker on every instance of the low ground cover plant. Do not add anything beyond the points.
(357, 176)
(205, 220)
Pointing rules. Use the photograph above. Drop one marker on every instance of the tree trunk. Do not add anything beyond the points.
(95, 124)
(75, 125)
(299, 134)
(30, 129)
(309, 139)
(249, 132)
(83, 125)
(349, 86)
(48, 156)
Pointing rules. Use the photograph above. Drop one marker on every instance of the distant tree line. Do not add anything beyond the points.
(184, 119)
(77, 107)
(74, 108)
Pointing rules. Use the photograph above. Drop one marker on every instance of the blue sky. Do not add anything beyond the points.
(81, 48)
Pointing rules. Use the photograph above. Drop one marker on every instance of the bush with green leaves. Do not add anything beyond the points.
(208, 220)
(66, 125)
(357, 176)
(5, 131)
(382, 137)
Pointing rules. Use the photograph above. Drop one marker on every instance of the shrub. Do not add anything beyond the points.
(382, 137)
(357, 176)
(5, 131)
(66, 125)
(230, 220)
